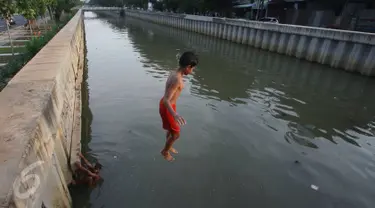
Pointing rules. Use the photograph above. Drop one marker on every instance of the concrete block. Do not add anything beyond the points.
(233, 36)
(274, 41)
(252, 37)
(245, 35)
(282, 43)
(338, 54)
(312, 54)
(352, 62)
(368, 68)
(302, 47)
(292, 45)
(221, 31)
(325, 52)
(266, 40)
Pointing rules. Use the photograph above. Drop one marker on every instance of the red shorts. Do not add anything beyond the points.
(169, 123)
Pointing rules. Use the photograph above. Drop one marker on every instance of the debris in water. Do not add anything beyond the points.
(115, 156)
(314, 187)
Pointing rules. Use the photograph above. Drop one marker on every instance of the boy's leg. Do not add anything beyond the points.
(173, 150)
(168, 145)
(90, 181)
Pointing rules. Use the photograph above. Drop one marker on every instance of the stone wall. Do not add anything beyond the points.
(40, 123)
(352, 51)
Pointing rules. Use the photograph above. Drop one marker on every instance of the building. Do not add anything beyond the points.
(343, 14)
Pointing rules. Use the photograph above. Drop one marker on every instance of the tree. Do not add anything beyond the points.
(50, 4)
(187, 6)
(221, 6)
(28, 9)
(7, 9)
(118, 3)
(60, 6)
(41, 7)
(158, 5)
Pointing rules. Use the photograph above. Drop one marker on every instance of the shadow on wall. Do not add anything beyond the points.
(81, 193)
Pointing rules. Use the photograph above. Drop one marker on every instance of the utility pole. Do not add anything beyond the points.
(266, 15)
(122, 12)
(9, 35)
(262, 7)
(258, 7)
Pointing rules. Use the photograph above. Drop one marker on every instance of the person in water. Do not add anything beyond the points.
(85, 172)
(167, 106)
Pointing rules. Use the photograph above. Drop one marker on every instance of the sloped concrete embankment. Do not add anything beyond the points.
(348, 50)
(40, 118)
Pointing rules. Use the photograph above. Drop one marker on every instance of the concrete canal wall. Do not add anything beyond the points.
(40, 123)
(352, 51)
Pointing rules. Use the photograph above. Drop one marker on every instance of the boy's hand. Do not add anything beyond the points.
(95, 176)
(181, 121)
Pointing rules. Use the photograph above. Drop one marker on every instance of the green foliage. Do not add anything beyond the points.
(158, 5)
(118, 3)
(41, 7)
(28, 8)
(13, 66)
(32, 48)
(35, 44)
(7, 8)
(61, 6)
(31, 9)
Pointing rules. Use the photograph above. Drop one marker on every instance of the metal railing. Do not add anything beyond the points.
(101, 8)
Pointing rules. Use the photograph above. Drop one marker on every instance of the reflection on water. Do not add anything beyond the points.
(317, 101)
(262, 127)
(81, 194)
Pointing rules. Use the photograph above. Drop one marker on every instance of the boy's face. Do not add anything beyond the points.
(189, 70)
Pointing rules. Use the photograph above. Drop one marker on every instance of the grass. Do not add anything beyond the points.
(9, 50)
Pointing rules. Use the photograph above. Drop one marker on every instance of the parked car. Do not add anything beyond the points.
(11, 21)
(269, 19)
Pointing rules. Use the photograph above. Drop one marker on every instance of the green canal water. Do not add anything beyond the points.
(263, 130)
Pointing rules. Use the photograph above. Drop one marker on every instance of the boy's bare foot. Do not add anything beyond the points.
(173, 150)
(167, 156)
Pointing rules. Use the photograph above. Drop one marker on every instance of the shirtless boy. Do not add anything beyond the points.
(167, 107)
(85, 172)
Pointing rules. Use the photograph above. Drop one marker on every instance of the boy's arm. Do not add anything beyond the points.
(85, 160)
(171, 88)
(88, 172)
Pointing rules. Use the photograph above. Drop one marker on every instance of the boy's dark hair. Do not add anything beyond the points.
(98, 166)
(188, 59)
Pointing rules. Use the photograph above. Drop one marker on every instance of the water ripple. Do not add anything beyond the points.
(299, 134)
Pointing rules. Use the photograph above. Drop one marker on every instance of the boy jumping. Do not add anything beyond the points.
(167, 107)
